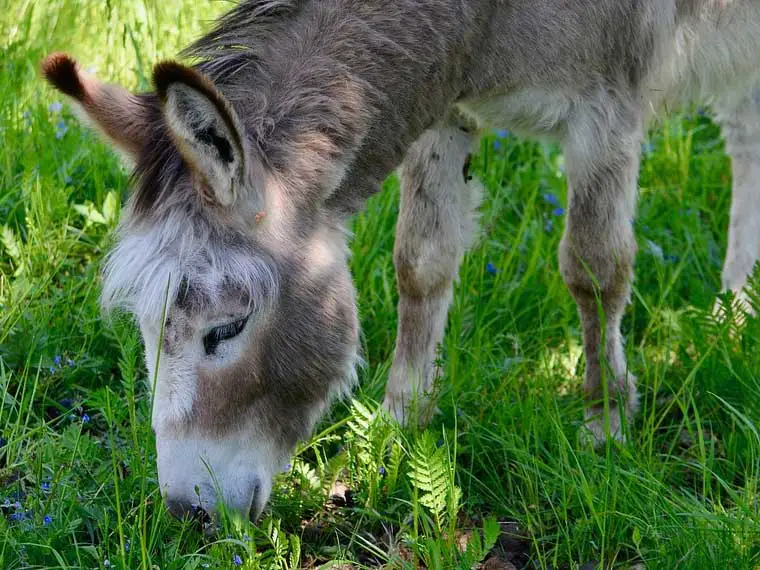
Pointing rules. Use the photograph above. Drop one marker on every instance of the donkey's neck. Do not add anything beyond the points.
(339, 90)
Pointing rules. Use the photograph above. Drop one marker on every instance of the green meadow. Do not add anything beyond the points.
(501, 479)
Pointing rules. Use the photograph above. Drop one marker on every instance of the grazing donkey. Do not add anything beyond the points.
(248, 165)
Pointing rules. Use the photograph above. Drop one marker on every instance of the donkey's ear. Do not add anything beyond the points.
(117, 113)
(205, 127)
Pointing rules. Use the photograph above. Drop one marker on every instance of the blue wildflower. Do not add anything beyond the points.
(549, 225)
(497, 144)
(647, 147)
(107, 563)
(70, 363)
(381, 470)
(558, 211)
(246, 538)
(236, 560)
(551, 199)
(18, 517)
(52, 370)
(47, 520)
(57, 360)
(501, 133)
(85, 418)
(491, 268)
(127, 545)
(55, 107)
(7, 503)
(288, 467)
(45, 486)
(61, 129)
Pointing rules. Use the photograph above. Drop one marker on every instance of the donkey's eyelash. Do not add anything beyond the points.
(221, 333)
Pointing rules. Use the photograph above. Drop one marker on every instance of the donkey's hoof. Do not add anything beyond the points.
(742, 308)
(594, 430)
(404, 408)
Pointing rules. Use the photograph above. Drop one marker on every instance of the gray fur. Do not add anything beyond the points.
(332, 96)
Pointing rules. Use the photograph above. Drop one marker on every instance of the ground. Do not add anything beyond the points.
(502, 477)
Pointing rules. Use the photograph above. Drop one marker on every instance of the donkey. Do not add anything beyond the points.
(232, 249)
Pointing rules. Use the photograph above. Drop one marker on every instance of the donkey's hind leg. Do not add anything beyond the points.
(739, 117)
(598, 248)
(435, 223)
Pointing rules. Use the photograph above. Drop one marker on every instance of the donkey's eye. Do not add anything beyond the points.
(224, 332)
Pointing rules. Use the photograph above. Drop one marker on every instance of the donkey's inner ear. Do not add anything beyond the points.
(205, 128)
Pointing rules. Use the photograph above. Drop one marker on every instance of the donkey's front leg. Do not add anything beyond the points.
(598, 249)
(739, 117)
(434, 227)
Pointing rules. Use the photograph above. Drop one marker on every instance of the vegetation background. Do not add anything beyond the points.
(501, 474)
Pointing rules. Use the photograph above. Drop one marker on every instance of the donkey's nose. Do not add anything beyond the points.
(182, 509)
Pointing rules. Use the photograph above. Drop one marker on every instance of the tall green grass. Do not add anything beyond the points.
(501, 471)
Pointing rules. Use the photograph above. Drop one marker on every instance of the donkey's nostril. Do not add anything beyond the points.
(182, 509)
(256, 506)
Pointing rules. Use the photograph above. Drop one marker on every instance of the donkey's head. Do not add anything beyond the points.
(240, 285)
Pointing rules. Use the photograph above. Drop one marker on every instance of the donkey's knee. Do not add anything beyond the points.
(598, 269)
(436, 219)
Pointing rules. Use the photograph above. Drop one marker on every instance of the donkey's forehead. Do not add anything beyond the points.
(184, 261)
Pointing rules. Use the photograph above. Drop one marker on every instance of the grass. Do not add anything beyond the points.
(501, 470)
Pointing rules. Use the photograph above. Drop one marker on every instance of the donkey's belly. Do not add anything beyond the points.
(528, 112)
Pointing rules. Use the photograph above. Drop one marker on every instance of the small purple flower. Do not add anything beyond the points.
(57, 360)
(237, 561)
(491, 268)
(47, 520)
(85, 418)
(127, 545)
(381, 470)
(17, 505)
(45, 486)
(288, 467)
(52, 370)
(558, 211)
(61, 129)
(7, 503)
(497, 144)
(551, 199)
(55, 107)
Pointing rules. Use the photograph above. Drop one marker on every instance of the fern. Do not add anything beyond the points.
(370, 440)
(432, 475)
